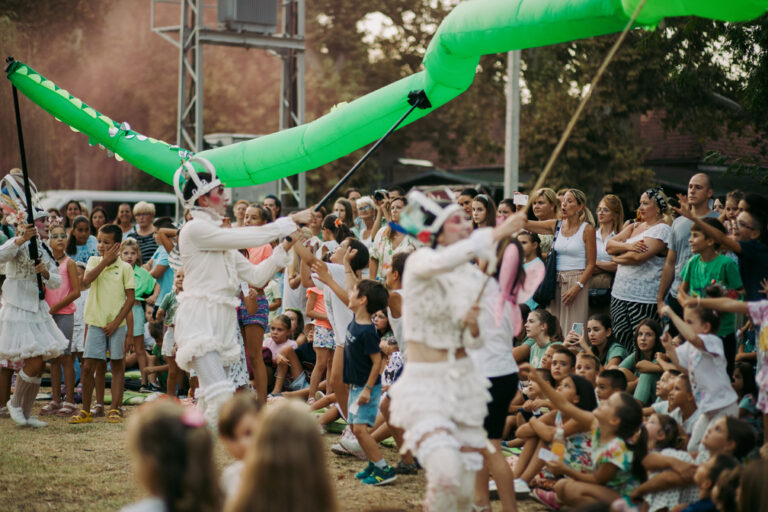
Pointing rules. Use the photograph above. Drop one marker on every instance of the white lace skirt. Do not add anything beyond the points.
(447, 396)
(26, 334)
(204, 326)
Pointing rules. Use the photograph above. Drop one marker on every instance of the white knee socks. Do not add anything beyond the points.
(25, 392)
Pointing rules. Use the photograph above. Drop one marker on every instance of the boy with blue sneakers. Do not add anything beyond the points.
(362, 366)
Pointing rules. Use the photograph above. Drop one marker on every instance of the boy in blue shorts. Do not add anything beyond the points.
(362, 366)
(109, 301)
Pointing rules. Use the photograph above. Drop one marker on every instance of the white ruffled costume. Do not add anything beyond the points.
(442, 405)
(27, 330)
(206, 319)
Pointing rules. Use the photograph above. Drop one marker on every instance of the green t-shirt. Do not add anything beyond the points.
(615, 350)
(722, 270)
(537, 352)
(144, 282)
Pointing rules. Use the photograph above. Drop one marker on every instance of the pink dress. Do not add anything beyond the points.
(54, 296)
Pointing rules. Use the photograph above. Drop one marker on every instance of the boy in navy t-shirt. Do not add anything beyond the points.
(362, 365)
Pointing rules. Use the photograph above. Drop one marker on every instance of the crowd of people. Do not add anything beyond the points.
(531, 347)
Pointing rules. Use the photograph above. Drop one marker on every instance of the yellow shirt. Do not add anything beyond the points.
(107, 293)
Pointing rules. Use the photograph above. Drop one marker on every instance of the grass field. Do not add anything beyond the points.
(86, 467)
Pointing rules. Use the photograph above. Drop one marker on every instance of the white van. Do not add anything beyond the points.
(166, 204)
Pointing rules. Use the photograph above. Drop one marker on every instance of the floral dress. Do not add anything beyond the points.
(614, 452)
(382, 251)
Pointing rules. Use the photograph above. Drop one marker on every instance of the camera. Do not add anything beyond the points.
(381, 194)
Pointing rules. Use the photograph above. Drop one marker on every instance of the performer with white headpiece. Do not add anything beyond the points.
(27, 331)
(213, 269)
(439, 324)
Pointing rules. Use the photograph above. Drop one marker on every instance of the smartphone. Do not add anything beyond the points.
(578, 327)
(666, 329)
(520, 199)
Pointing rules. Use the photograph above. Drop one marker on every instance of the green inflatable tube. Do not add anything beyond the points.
(474, 28)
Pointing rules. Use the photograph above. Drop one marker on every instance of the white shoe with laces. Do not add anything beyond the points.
(349, 442)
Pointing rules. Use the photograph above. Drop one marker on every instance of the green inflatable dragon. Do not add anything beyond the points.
(474, 28)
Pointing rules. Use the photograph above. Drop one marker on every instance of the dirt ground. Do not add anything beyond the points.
(85, 467)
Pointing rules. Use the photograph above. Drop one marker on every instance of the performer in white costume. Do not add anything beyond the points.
(439, 321)
(27, 331)
(206, 320)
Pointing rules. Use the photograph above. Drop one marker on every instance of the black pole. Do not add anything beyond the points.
(415, 99)
(33, 254)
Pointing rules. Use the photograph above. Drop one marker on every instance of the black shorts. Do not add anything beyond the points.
(503, 390)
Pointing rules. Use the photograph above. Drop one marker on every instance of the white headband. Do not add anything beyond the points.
(202, 187)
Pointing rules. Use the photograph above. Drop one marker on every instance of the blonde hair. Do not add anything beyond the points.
(143, 207)
(581, 198)
(173, 450)
(549, 195)
(285, 467)
(131, 242)
(613, 203)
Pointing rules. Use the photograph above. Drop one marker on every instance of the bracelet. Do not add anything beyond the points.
(369, 387)
(579, 284)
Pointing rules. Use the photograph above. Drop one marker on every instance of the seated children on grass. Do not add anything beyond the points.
(705, 478)
(540, 433)
(109, 303)
(362, 360)
(172, 452)
(641, 367)
(237, 424)
(616, 463)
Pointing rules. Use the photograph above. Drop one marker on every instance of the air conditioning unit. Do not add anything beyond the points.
(249, 15)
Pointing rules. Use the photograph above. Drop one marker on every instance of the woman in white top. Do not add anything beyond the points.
(576, 254)
(371, 217)
(610, 218)
(639, 250)
(440, 399)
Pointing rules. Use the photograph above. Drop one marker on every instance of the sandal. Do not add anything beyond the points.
(51, 408)
(81, 417)
(547, 498)
(114, 416)
(67, 409)
(97, 411)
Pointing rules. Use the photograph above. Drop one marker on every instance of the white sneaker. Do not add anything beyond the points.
(32, 421)
(521, 486)
(350, 443)
(16, 414)
(339, 450)
(3, 412)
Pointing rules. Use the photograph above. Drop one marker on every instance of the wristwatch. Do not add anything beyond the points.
(580, 285)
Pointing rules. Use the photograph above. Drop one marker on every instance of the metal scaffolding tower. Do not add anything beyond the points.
(241, 24)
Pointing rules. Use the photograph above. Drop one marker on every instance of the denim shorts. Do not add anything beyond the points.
(365, 413)
(97, 343)
(138, 320)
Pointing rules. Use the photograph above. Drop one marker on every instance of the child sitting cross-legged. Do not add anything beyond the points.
(237, 423)
(362, 365)
(616, 464)
(279, 330)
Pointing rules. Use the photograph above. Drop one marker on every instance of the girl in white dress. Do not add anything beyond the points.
(27, 330)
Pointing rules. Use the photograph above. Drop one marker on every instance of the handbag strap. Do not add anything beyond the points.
(558, 225)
